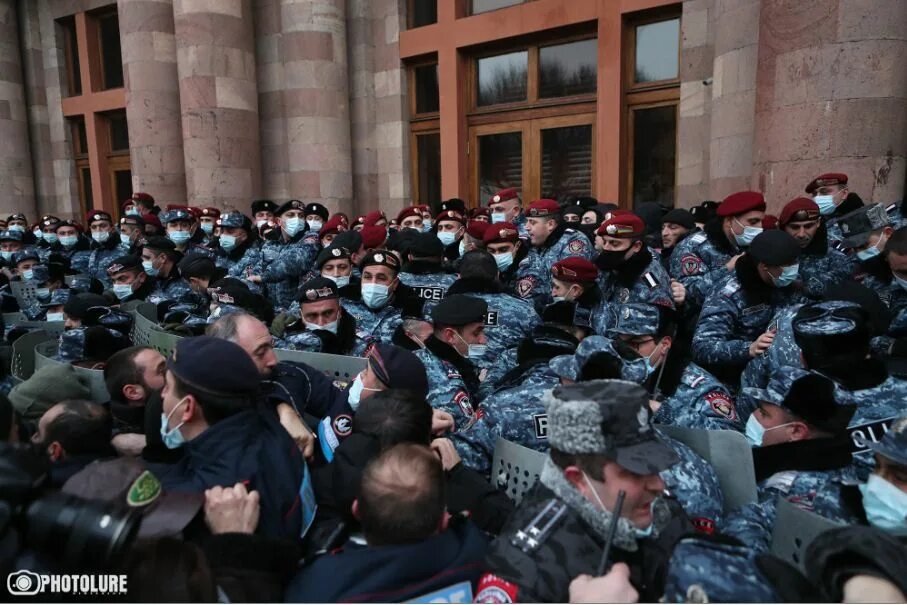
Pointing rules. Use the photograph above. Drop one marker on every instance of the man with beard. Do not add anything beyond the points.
(327, 328)
(676, 225)
(132, 376)
(820, 265)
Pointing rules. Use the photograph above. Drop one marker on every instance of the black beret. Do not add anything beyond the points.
(77, 306)
(263, 205)
(426, 245)
(402, 241)
(125, 263)
(775, 248)
(317, 289)
(332, 252)
(316, 208)
(160, 244)
(679, 216)
(214, 366)
(381, 257)
(455, 204)
(351, 240)
(459, 310)
(196, 264)
(290, 205)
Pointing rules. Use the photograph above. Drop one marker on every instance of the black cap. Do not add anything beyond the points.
(568, 313)
(402, 241)
(381, 257)
(775, 248)
(160, 244)
(455, 204)
(129, 262)
(398, 368)
(316, 289)
(77, 306)
(852, 291)
(290, 205)
(351, 240)
(214, 366)
(263, 205)
(459, 310)
(318, 209)
(331, 253)
(196, 264)
(812, 398)
(679, 216)
(426, 245)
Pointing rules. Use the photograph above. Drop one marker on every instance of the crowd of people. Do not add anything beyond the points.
(576, 329)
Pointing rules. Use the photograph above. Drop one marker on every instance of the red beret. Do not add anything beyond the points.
(499, 232)
(360, 220)
(476, 229)
(408, 212)
(423, 207)
(824, 180)
(769, 221)
(373, 217)
(210, 211)
(740, 203)
(625, 225)
(799, 209)
(450, 215)
(373, 236)
(97, 215)
(152, 219)
(334, 225)
(138, 196)
(575, 269)
(540, 208)
(504, 195)
(343, 218)
(476, 212)
(129, 202)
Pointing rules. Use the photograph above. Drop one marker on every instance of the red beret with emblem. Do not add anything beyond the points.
(211, 212)
(334, 225)
(373, 236)
(500, 232)
(625, 225)
(408, 212)
(826, 180)
(381, 257)
(373, 217)
(799, 209)
(477, 212)
(575, 269)
(152, 219)
(740, 203)
(450, 215)
(541, 208)
(97, 215)
(504, 195)
(423, 207)
(476, 229)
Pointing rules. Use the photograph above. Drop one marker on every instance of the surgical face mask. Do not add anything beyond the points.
(50, 238)
(42, 292)
(355, 392)
(18, 228)
(315, 225)
(28, 274)
(755, 432)
(291, 226)
(341, 281)
(901, 282)
(207, 227)
(227, 242)
(826, 204)
(67, 241)
(447, 237)
(748, 235)
(6, 254)
(179, 237)
(133, 212)
(787, 277)
(503, 260)
(498, 217)
(172, 438)
(462, 248)
(260, 222)
(149, 268)
(473, 351)
(330, 327)
(375, 296)
(885, 505)
(55, 316)
(650, 365)
(870, 252)
(38, 234)
(100, 236)
(426, 224)
(122, 291)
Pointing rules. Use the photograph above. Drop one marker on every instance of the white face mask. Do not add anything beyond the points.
(315, 225)
(749, 234)
(755, 432)
(100, 236)
(55, 316)
(330, 327)
(341, 281)
(447, 237)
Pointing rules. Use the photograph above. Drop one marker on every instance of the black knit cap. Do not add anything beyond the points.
(196, 264)
(775, 248)
(214, 366)
(679, 216)
(459, 310)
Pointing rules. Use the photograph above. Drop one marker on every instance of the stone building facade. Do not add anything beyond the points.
(223, 101)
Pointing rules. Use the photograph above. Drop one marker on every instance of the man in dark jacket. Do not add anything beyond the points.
(602, 443)
(412, 549)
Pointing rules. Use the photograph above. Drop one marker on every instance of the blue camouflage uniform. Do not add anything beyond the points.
(173, 288)
(699, 261)
(281, 267)
(701, 401)
(641, 279)
(820, 270)
(447, 386)
(381, 323)
(428, 280)
(307, 340)
(533, 277)
(77, 254)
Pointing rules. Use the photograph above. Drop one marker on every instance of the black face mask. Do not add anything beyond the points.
(609, 260)
(588, 230)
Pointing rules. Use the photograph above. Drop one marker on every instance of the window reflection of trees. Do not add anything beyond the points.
(502, 79)
(566, 162)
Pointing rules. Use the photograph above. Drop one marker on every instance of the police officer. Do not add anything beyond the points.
(330, 229)
(601, 443)
(72, 245)
(10, 243)
(502, 241)
(159, 260)
(575, 208)
(327, 328)
(139, 204)
(106, 245)
(820, 265)
(514, 411)
(132, 233)
(734, 323)
(263, 212)
(450, 227)
(179, 226)
(575, 279)
(835, 200)
(630, 272)
(506, 206)
(550, 240)
(316, 215)
(865, 232)
(207, 221)
(130, 282)
(19, 222)
(703, 259)
(336, 264)
(382, 297)
(48, 235)
(45, 284)
(285, 260)
(896, 257)
(237, 251)
(424, 271)
(450, 354)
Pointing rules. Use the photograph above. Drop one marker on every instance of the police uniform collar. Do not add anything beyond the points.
(444, 351)
(748, 275)
(851, 202)
(554, 237)
(810, 455)
(714, 231)
(860, 376)
(629, 273)
(819, 244)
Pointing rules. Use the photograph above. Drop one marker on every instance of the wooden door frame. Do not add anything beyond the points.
(631, 143)
(472, 151)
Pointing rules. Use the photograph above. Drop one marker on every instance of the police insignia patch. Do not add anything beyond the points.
(576, 246)
(721, 404)
(623, 295)
(690, 264)
(463, 402)
(144, 490)
(343, 425)
(525, 286)
(493, 589)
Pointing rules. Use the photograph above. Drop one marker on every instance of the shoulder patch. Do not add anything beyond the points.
(690, 264)
(650, 279)
(525, 286)
(493, 589)
(343, 425)
(540, 527)
(463, 402)
(577, 245)
(722, 404)
(698, 238)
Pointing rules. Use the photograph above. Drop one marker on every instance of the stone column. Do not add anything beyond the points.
(16, 181)
(316, 101)
(733, 96)
(152, 98)
(215, 53)
(832, 97)
(275, 180)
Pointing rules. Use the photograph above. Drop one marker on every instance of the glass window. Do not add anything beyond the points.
(657, 51)
(122, 182)
(502, 78)
(71, 52)
(428, 148)
(111, 57)
(568, 69)
(654, 150)
(422, 12)
(85, 188)
(119, 132)
(79, 136)
(566, 162)
(483, 6)
(427, 89)
(500, 163)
